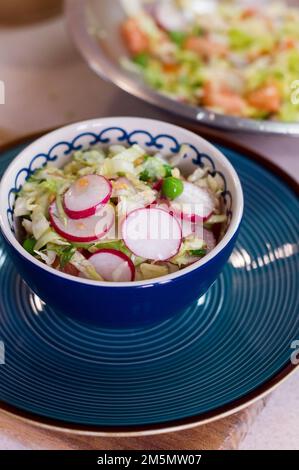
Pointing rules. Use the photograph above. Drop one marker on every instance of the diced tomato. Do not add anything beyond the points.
(70, 269)
(205, 47)
(222, 97)
(136, 40)
(252, 12)
(286, 44)
(170, 67)
(265, 98)
(255, 54)
(249, 13)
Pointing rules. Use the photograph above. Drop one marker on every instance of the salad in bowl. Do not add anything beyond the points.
(120, 222)
(121, 214)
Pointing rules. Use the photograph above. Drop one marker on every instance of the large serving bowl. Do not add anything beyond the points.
(122, 304)
(94, 26)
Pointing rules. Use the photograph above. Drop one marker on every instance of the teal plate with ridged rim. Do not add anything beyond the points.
(230, 348)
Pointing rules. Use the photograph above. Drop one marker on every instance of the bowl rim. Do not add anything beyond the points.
(86, 124)
(93, 54)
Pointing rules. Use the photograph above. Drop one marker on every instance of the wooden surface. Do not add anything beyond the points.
(14, 12)
(224, 434)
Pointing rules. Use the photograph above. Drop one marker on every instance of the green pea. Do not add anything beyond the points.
(172, 187)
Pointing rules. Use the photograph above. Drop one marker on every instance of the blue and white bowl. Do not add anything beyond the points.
(133, 304)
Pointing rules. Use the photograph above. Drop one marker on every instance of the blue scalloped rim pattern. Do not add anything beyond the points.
(158, 142)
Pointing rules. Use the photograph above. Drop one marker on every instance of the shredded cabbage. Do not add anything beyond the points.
(152, 169)
(27, 224)
(39, 223)
(185, 256)
(136, 179)
(151, 271)
(50, 236)
(85, 267)
(47, 256)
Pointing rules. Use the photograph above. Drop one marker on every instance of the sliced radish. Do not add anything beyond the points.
(85, 195)
(191, 228)
(152, 233)
(83, 230)
(188, 227)
(210, 239)
(169, 17)
(113, 265)
(194, 203)
(206, 235)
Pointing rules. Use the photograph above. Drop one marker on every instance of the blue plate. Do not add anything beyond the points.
(234, 346)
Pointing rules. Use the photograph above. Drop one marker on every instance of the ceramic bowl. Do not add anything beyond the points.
(118, 305)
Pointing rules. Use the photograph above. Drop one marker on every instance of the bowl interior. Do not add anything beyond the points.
(155, 136)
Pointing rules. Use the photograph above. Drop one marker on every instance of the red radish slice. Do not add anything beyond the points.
(194, 203)
(210, 240)
(83, 230)
(206, 235)
(169, 17)
(113, 265)
(85, 195)
(188, 227)
(152, 233)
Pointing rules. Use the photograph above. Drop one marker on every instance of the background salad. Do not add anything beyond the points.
(235, 59)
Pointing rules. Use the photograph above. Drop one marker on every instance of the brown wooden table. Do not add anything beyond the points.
(224, 434)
